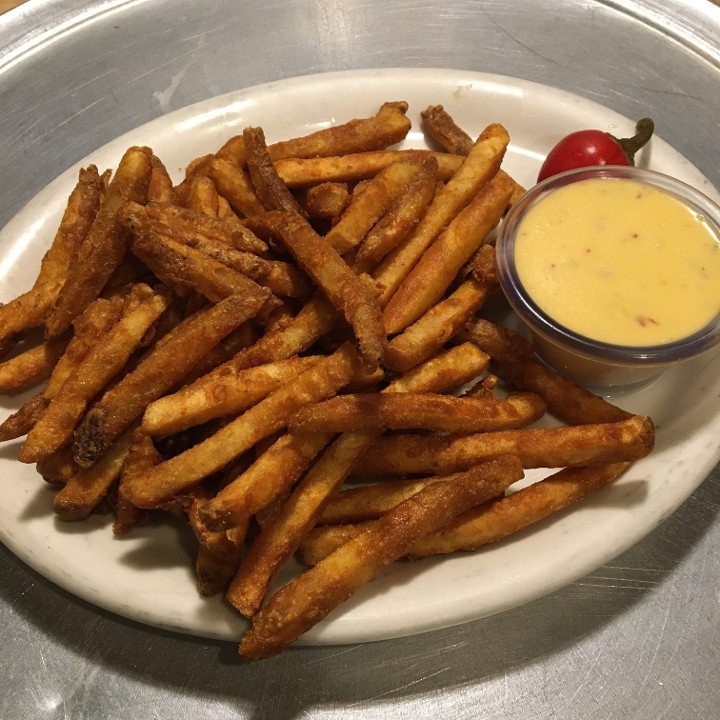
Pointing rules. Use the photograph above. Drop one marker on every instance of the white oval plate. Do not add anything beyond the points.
(148, 576)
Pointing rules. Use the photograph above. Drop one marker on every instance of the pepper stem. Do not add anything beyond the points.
(643, 132)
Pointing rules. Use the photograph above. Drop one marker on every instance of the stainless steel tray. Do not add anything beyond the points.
(638, 638)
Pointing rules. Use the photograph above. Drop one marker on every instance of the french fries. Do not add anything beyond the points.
(240, 348)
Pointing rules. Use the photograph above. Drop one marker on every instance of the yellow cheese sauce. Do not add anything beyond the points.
(620, 261)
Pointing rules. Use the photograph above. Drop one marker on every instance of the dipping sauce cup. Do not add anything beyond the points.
(615, 271)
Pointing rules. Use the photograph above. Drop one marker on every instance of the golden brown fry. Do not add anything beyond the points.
(446, 371)
(21, 422)
(321, 380)
(312, 595)
(84, 491)
(302, 172)
(163, 368)
(483, 525)
(348, 294)
(387, 127)
(58, 467)
(401, 217)
(567, 399)
(203, 197)
(476, 170)
(226, 394)
(30, 309)
(435, 271)
(234, 185)
(183, 267)
(268, 478)
(97, 369)
(105, 244)
(422, 411)
(438, 125)
(500, 343)
(429, 333)
(31, 366)
(270, 189)
(621, 441)
(160, 187)
(367, 207)
(185, 223)
(326, 200)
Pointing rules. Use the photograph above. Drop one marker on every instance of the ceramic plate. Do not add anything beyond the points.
(148, 576)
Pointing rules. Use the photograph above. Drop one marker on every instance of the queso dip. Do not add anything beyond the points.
(620, 261)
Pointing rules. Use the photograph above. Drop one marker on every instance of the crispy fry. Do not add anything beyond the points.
(203, 197)
(476, 171)
(500, 343)
(367, 207)
(312, 595)
(97, 369)
(402, 216)
(321, 380)
(84, 491)
(58, 467)
(227, 394)
(595, 443)
(422, 411)
(268, 478)
(105, 244)
(439, 126)
(160, 187)
(302, 172)
(567, 399)
(161, 369)
(483, 525)
(31, 366)
(30, 309)
(440, 323)
(435, 271)
(183, 267)
(234, 185)
(270, 189)
(326, 200)
(446, 371)
(344, 289)
(21, 422)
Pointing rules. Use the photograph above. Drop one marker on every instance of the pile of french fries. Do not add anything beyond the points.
(247, 348)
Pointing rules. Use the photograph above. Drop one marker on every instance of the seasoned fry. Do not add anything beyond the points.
(160, 187)
(483, 525)
(233, 183)
(103, 248)
(480, 165)
(348, 294)
(31, 366)
(367, 207)
(621, 441)
(58, 467)
(567, 399)
(302, 172)
(270, 189)
(321, 380)
(326, 200)
(312, 595)
(160, 370)
(268, 478)
(500, 343)
(203, 197)
(438, 325)
(422, 411)
(400, 219)
(97, 369)
(435, 271)
(439, 126)
(225, 394)
(183, 267)
(84, 491)
(30, 309)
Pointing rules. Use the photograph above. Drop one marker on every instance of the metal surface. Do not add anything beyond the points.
(639, 638)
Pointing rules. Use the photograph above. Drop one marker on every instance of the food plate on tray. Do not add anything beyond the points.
(147, 575)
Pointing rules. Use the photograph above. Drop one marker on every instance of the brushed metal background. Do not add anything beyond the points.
(639, 638)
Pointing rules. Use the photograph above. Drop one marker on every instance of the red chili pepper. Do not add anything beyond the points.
(588, 148)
